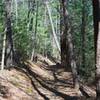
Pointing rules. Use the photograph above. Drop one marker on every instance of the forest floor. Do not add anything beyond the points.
(37, 81)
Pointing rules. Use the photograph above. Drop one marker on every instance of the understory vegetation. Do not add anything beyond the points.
(45, 32)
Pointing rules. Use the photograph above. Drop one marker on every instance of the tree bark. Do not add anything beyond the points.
(9, 51)
(69, 43)
(96, 15)
(64, 45)
(3, 51)
(34, 41)
(98, 65)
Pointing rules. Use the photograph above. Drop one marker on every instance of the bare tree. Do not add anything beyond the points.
(3, 50)
(52, 25)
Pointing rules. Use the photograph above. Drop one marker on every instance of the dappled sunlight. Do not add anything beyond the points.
(49, 50)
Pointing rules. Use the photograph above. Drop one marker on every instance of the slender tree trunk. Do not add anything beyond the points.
(10, 50)
(96, 16)
(54, 53)
(98, 65)
(31, 7)
(36, 24)
(72, 60)
(45, 25)
(16, 9)
(95, 19)
(67, 30)
(83, 33)
(64, 45)
(52, 25)
(3, 51)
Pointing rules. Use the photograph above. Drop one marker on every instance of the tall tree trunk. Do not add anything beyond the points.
(10, 51)
(96, 15)
(64, 45)
(52, 25)
(16, 10)
(98, 65)
(67, 30)
(3, 50)
(83, 32)
(95, 19)
(31, 7)
(45, 25)
(54, 53)
(36, 24)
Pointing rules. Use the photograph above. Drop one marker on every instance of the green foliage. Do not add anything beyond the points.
(75, 12)
(25, 38)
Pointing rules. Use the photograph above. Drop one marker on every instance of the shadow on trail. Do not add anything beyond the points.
(4, 91)
(56, 70)
(14, 84)
(23, 70)
(36, 78)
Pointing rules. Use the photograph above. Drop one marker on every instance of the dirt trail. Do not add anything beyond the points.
(37, 81)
